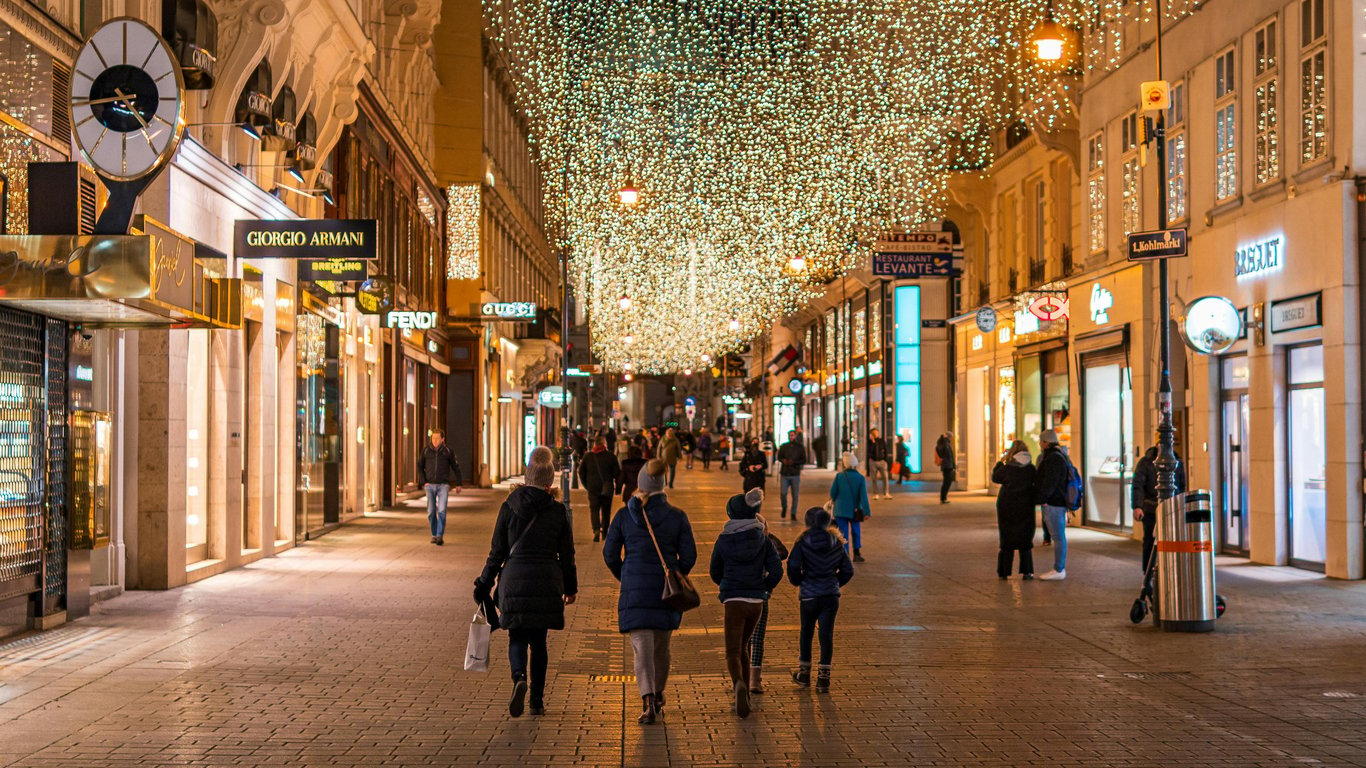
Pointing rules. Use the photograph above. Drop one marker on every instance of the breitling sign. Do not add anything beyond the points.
(305, 239)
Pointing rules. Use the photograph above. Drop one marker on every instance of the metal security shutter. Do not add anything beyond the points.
(23, 447)
(58, 531)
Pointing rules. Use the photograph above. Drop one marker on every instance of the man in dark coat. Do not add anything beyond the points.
(947, 459)
(578, 443)
(437, 471)
(631, 555)
(753, 465)
(600, 473)
(531, 558)
(879, 464)
(1015, 510)
(791, 460)
(1143, 497)
(1050, 491)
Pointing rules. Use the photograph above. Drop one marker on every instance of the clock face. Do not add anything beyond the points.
(126, 92)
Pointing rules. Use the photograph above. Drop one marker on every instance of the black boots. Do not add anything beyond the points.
(647, 713)
(802, 675)
(741, 699)
(858, 555)
(518, 701)
(823, 679)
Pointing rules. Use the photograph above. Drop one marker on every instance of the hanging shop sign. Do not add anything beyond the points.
(914, 254)
(340, 270)
(304, 239)
(1101, 302)
(986, 319)
(191, 29)
(375, 296)
(1160, 244)
(553, 397)
(508, 310)
(1212, 325)
(1049, 307)
(410, 320)
(1299, 312)
(1257, 258)
(253, 103)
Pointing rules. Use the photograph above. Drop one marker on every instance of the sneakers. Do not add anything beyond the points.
(518, 701)
(1028, 577)
(888, 497)
(1054, 575)
(741, 699)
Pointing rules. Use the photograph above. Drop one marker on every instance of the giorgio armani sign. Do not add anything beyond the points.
(305, 239)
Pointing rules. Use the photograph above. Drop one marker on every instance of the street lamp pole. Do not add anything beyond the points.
(566, 450)
(1166, 463)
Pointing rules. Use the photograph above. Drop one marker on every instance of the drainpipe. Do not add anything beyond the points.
(1358, 235)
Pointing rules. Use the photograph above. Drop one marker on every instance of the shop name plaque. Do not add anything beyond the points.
(322, 239)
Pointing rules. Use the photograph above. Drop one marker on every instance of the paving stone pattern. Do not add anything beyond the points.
(347, 651)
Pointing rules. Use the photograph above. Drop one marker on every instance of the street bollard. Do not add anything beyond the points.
(1185, 564)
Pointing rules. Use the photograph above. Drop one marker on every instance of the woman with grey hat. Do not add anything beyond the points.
(746, 566)
(532, 560)
(630, 554)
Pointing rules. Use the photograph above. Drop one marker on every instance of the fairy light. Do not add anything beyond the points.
(462, 231)
(762, 130)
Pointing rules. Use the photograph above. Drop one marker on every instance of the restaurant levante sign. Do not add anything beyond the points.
(304, 239)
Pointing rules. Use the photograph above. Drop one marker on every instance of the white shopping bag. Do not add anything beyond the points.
(477, 649)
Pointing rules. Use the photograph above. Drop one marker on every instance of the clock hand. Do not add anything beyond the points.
(93, 102)
(132, 107)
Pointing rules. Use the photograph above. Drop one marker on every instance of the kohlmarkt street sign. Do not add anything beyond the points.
(915, 254)
(304, 239)
(341, 270)
(1160, 244)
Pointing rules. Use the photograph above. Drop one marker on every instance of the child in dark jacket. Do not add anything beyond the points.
(818, 565)
(746, 567)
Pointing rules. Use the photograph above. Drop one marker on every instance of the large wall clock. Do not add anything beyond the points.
(126, 98)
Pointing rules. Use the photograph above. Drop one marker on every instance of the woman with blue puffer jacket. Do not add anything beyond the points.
(818, 565)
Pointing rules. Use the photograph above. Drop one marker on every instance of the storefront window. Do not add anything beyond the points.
(1235, 417)
(197, 448)
(860, 333)
(1107, 462)
(1005, 408)
(1308, 457)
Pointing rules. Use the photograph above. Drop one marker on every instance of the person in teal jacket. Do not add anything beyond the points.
(849, 497)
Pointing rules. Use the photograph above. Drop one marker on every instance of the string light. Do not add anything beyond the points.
(769, 134)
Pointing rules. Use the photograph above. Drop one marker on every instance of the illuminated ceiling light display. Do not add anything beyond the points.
(462, 231)
(760, 130)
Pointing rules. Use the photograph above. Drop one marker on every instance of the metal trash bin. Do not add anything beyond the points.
(1185, 564)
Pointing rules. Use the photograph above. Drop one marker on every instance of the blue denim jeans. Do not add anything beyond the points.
(437, 493)
(851, 531)
(795, 483)
(1055, 520)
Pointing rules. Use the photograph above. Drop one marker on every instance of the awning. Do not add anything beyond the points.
(192, 31)
(279, 136)
(147, 279)
(254, 104)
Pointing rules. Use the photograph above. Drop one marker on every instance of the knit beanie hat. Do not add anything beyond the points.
(651, 477)
(744, 506)
(540, 467)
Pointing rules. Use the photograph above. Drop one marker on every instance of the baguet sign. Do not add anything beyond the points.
(322, 239)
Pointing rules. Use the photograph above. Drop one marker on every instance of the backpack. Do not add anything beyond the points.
(1075, 491)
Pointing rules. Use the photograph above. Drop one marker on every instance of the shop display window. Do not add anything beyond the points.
(197, 447)
(1107, 455)
(1308, 456)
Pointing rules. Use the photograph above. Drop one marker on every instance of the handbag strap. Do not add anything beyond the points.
(664, 563)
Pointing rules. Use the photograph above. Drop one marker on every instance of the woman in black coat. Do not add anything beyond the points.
(753, 466)
(1015, 510)
(630, 554)
(532, 560)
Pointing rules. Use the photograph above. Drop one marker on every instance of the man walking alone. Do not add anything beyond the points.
(791, 460)
(878, 464)
(600, 474)
(437, 471)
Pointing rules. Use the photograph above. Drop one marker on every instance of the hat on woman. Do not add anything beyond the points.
(651, 477)
(540, 467)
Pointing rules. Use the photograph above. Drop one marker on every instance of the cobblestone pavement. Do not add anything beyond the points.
(347, 651)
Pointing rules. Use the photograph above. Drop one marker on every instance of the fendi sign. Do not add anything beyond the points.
(305, 239)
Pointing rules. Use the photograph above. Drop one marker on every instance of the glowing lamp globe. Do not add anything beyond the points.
(1048, 40)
